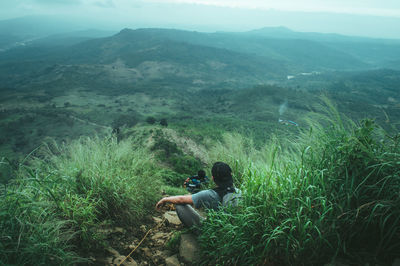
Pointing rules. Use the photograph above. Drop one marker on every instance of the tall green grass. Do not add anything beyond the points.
(331, 194)
(66, 193)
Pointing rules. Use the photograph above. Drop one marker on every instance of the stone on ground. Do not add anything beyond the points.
(128, 262)
(189, 248)
(147, 252)
(113, 251)
(172, 261)
(157, 220)
(172, 217)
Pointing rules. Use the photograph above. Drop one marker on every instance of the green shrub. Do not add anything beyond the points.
(7, 171)
(173, 242)
(170, 153)
(172, 178)
(114, 175)
(331, 195)
(166, 147)
(185, 164)
(151, 120)
(31, 231)
(164, 122)
(174, 191)
(67, 193)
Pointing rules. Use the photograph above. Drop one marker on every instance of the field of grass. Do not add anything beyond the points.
(329, 195)
(326, 194)
(62, 195)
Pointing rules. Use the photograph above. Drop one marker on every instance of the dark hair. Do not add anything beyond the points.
(201, 174)
(222, 174)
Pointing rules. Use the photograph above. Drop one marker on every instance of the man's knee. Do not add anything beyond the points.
(188, 216)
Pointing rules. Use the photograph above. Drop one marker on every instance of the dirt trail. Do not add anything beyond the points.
(90, 123)
(161, 228)
(187, 145)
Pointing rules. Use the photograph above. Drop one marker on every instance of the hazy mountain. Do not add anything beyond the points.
(70, 38)
(45, 30)
(299, 54)
(135, 58)
(285, 33)
(153, 58)
(375, 52)
(40, 26)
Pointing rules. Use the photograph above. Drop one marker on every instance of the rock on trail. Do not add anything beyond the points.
(153, 250)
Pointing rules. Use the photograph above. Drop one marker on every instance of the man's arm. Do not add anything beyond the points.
(185, 199)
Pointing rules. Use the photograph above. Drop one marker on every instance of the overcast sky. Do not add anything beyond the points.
(376, 18)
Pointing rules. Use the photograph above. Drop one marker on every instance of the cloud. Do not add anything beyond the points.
(104, 3)
(58, 2)
(360, 7)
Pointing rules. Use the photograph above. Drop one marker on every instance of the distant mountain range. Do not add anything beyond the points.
(183, 58)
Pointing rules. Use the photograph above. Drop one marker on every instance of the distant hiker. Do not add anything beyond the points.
(224, 194)
(194, 183)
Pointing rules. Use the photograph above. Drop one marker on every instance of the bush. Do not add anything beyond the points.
(170, 153)
(150, 120)
(31, 230)
(331, 195)
(185, 164)
(164, 122)
(7, 171)
(166, 147)
(59, 202)
(172, 178)
(125, 120)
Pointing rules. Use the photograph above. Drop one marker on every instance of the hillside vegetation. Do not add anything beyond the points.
(95, 129)
(329, 194)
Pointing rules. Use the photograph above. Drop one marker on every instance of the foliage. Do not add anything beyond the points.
(185, 164)
(31, 230)
(128, 120)
(164, 122)
(174, 191)
(7, 171)
(169, 152)
(150, 120)
(307, 199)
(332, 196)
(67, 192)
(173, 242)
(172, 178)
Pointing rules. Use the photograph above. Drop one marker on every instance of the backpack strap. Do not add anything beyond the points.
(222, 191)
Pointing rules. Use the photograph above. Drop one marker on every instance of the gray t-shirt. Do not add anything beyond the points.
(208, 199)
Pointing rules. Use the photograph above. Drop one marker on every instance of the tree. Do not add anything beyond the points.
(164, 122)
(151, 120)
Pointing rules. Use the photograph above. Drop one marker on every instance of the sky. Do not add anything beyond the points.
(371, 18)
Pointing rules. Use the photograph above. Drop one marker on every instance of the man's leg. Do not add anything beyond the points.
(188, 215)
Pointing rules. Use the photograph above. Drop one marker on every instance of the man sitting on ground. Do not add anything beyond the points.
(209, 199)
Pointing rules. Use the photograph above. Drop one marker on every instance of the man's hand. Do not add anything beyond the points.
(185, 199)
(160, 203)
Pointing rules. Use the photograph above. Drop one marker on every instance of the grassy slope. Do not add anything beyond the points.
(301, 195)
(327, 196)
(56, 206)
